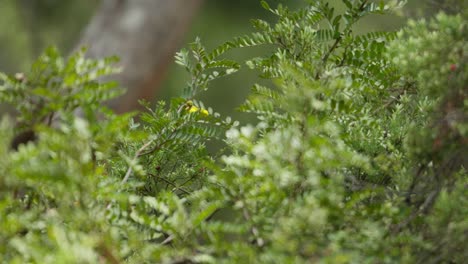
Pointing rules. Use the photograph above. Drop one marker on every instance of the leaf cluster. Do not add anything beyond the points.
(358, 156)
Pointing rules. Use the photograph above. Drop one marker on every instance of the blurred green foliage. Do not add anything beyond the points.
(27, 27)
(358, 155)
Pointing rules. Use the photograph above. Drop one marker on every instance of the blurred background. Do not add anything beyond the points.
(28, 26)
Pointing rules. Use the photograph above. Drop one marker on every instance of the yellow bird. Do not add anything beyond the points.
(192, 109)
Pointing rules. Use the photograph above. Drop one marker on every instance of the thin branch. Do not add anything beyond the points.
(140, 153)
(137, 154)
(327, 55)
(168, 240)
(108, 255)
(337, 41)
(343, 60)
(158, 147)
(332, 48)
(260, 242)
(191, 178)
(427, 203)
(171, 184)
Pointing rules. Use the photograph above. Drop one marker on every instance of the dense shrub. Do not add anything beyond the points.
(359, 155)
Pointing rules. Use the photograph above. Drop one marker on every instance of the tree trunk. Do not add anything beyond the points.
(144, 34)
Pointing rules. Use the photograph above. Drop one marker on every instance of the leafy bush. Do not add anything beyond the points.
(359, 155)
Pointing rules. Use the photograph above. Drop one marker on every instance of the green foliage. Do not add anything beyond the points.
(359, 155)
(55, 87)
